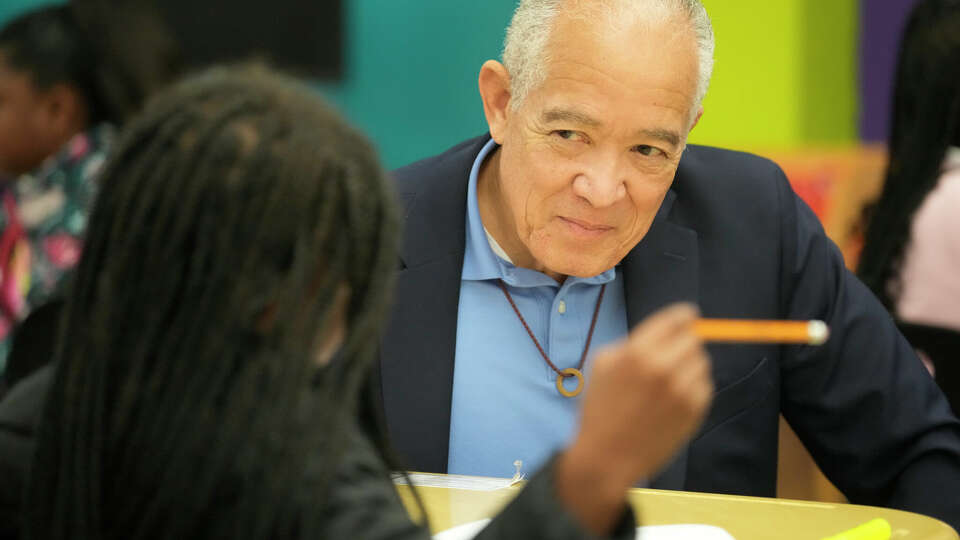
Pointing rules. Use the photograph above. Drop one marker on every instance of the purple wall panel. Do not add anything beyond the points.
(881, 24)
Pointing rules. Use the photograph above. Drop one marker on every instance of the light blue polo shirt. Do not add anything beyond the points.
(505, 402)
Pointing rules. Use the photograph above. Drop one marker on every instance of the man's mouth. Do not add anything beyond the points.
(587, 228)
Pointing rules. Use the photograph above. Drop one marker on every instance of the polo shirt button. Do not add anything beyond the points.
(562, 307)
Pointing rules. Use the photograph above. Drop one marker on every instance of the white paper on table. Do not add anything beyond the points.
(455, 481)
(651, 532)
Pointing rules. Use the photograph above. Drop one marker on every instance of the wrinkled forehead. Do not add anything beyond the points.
(627, 52)
(624, 30)
(617, 15)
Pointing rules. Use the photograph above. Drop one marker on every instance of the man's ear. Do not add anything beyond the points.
(494, 83)
(64, 111)
(697, 119)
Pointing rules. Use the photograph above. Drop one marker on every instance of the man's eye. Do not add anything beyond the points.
(647, 150)
(566, 134)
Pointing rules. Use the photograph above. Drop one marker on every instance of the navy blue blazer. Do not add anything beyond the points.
(732, 237)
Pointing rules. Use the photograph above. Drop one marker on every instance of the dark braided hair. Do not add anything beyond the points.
(187, 401)
(926, 121)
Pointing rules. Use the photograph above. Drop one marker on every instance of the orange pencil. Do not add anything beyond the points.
(756, 331)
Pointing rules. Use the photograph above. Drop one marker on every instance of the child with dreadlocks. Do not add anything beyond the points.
(54, 133)
(219, 331)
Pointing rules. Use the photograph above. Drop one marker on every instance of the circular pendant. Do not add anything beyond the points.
(570, 372)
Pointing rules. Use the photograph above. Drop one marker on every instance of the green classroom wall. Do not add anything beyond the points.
(830, 63)
(785, 74)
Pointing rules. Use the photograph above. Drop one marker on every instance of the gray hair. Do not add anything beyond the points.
(524, 49)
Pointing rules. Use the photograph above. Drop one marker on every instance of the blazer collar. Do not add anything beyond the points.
(435, 205)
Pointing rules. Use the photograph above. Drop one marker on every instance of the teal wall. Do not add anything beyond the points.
(412, 68)
(9, 8)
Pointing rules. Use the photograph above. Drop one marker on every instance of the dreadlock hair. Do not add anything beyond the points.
(926, 121)
(187, 401)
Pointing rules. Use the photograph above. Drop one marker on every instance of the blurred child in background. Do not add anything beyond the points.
(69, 76)
(54, 133)
(911, 258)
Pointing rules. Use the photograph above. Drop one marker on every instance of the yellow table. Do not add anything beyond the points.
(746, 518)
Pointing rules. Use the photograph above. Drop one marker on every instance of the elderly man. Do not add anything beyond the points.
(582, 213)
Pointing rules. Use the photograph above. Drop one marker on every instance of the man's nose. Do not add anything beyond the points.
(603, 185)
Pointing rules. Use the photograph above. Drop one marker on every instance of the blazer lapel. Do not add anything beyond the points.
(661, 270)
(417, 359)
(419, 344)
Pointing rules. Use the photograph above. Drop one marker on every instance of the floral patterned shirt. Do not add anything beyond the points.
(42, 218)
